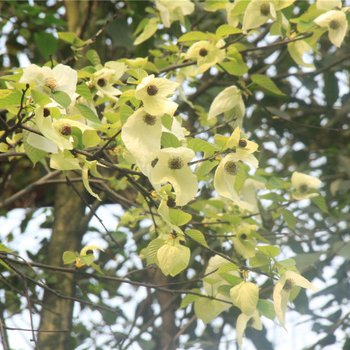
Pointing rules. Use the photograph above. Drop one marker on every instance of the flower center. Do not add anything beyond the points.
(46, 112)
(334, 24)
(152, 90)
(203, 52)
(51, 83)
(265, 9)
(242, 143)
(303, 188)
(101, 82)
(175, 163)
(243, 236)
(88, 252)
(149, 119)
(171, 203)
(288, 285)
(66, 130)
(231, 167)
(154, 162)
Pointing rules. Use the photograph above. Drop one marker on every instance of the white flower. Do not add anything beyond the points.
(305, 186)
(225, 174)
(206, 53)
(171, 166)
(60, 78)
(336, 23)
(141, 135)
(242, 322)
(171, 11)
(248, 195)
(105, 78)
(258, 12)
(283, 289)
(228, 100)
(153, 93)
(244, 241)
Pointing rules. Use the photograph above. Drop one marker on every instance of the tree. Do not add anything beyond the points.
(217, 135)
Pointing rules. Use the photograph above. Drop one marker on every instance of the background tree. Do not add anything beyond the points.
(294, 84)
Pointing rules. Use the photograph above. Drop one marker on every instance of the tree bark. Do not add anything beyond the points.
(67, 232)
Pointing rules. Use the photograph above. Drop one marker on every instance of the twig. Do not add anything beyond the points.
(28, 189)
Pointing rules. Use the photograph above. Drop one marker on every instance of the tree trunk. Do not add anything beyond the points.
(67, 232)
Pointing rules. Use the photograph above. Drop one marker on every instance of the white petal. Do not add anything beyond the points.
(327, 5)
(299, 179)
(299, 280)
(66, 78)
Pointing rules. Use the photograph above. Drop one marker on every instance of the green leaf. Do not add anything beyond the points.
(46, 43)
(71, 38)
(193, 36)
(34, 154)
(241, 176)
(40, 98)
(197, 236)
(3, 248)
(169, 140)
(214, 5)
(69, 257)
(84, 91)
(245, 296)
(61, 98)
(306, 260)
(207, 310)
(232, 279)
(266, 83)
(190, 298)
(199, 145)
(179, 217)
(289, 218)
(9, 98)
(93, 57)
(88, 113)
(321, 203)
(226, 29)
(148, 31)
(266, 308)
(151, 251)
(269, 250)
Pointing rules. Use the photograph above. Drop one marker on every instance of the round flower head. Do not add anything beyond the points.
(141, 135)
(153, 93)
(171, 166)
(336, 23)
(305, 186)
(171, 11)
(206, 54)
(60, 78)
(283, 289)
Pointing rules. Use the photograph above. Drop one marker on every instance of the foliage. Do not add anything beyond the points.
(219, 128)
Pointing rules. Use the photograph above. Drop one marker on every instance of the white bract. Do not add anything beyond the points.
(105, 78)
(206, 53)
(171, 166)
(171, 11)
(87, 254)
(305, 186)
(258, 12)
(327, 5)
(153, 92)
(283, 289)
(228, 100)
(242, 322)
(141, 135)
(60, 78)
(336, 23)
